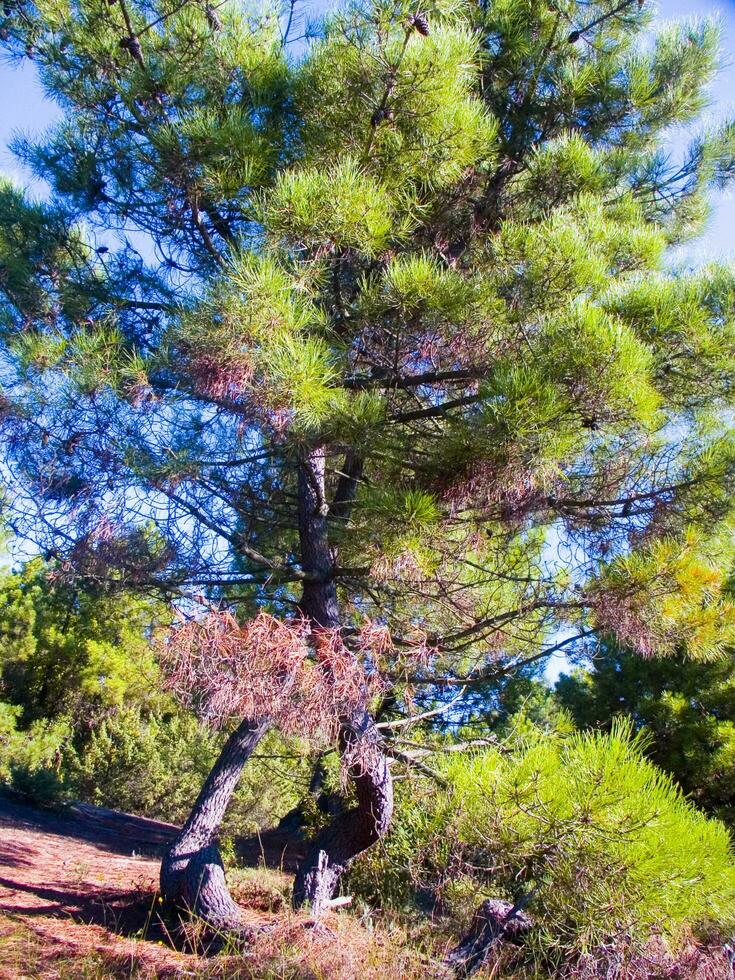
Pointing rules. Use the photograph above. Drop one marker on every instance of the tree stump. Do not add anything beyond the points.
(494, 921)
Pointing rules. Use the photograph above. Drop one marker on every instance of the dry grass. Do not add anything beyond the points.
(75, 903)
(295, 949)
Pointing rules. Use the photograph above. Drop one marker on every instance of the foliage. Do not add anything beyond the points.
(156, 767)
(67, 650)
(686, 708)
(153, 765)
(593, 836)
(668, 595)
(86, 716)
(31, 760)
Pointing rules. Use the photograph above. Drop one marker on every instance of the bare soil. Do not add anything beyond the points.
(78, 888)
(78, 899)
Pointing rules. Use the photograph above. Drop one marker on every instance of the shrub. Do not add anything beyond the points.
(156, 767)
(150, 765)
(31, 761)
(66, 650)
(602, 843)
(687, 708)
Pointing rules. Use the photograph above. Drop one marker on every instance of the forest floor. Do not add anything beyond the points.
(78, 900)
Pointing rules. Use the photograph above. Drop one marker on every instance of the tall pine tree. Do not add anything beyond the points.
(376, 342)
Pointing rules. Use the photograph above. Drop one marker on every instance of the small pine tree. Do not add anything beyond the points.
(686, 707)
(363, 331)
(581, 831)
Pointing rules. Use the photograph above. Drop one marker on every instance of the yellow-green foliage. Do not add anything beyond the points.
(331, 208)
(31, 759)
(433, 126)
(670, 595)
(576, 249)
(595, 834)
(562, 170)
(683, 317)
(68, 649)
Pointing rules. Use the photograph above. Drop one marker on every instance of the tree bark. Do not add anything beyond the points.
(355, 830)
(192, 874)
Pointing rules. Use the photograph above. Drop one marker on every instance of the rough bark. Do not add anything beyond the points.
(352, 831)
(493, 922)
(355, 830)
(319, 599)
(192, 874)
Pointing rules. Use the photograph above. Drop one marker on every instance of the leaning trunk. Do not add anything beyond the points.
(192, 874)
(357, 829)
(353, 831)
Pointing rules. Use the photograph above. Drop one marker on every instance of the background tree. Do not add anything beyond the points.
(400, 319)
(687, 709)
(67, 650)
(85, 714)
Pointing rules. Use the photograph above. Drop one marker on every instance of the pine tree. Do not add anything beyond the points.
(685, 707)
(79, 652)
(382, 338)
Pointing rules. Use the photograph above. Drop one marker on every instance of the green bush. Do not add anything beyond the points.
(86, 716)
(156, 767)
(604, 844)
(65, 650)
(31, 761)
(686, 707)
(150, 765)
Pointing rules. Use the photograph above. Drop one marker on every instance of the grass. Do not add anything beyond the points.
(27, 955)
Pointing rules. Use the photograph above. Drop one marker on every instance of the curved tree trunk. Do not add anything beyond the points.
(355, 830)
(192, 874)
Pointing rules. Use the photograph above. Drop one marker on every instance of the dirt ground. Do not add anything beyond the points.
(78, 901)
(77, 888)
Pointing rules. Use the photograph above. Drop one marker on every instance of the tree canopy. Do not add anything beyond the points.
(376, 342)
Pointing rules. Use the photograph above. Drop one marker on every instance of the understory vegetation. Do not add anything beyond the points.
(556, 799)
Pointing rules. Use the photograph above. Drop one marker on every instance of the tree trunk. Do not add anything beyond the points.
(352, 831)
(494, 921)
(192, 874)
(355, 830)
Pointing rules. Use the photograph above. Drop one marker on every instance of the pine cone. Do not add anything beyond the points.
(380, 115)
(420, 23)
(132, 44)
(213, 18)
(574, 37)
